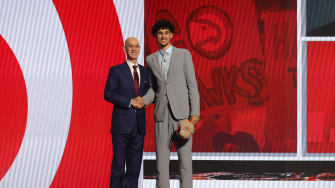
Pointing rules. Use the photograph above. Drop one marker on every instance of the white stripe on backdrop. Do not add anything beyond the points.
(34, 32)
(131, 18)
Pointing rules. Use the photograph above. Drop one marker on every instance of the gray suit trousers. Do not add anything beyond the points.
(163, 134)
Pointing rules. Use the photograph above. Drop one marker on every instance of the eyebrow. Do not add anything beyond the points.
(167, 31)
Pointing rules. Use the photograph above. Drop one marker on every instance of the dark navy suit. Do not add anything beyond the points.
(128, 124)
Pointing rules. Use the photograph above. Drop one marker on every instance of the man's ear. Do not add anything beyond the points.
(171, 35)
(124, 49)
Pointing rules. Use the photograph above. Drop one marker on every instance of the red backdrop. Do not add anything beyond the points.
(14, 107)
(321, 97)
(95, 43)
(245, 60)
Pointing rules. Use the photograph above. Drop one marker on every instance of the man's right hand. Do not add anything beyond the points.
(137, 102)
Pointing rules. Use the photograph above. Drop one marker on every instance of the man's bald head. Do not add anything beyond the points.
(130, 40)
(132, 48)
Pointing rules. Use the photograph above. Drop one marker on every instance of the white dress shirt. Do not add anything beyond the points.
(164, 58)
(130, 64)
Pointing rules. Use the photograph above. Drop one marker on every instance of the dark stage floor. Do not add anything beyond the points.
(251, 170)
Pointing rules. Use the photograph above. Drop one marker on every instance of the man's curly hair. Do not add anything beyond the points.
(162, 24)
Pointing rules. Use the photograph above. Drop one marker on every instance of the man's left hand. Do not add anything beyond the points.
(195, 119)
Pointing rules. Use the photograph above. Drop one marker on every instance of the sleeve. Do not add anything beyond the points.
(149, 97)
(192, 85)
(111, 93)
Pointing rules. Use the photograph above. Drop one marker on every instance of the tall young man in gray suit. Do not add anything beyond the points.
(174, 91)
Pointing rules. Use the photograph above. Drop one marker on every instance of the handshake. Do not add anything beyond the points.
(137, 102)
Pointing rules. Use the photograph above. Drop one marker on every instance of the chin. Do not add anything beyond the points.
(164, 44)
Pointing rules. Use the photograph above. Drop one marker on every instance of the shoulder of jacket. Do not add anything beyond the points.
(141, 66)
(150, 57)
(118, 66)
(182, 50)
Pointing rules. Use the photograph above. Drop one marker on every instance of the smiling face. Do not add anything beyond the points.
(132, 48)
(163, 37)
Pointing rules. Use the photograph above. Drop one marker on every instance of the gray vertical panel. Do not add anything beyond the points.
(302, 97)
(301, 79)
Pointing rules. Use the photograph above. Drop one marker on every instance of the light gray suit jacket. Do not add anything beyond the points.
(180, 87)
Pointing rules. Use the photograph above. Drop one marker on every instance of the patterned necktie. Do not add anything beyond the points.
(164, 64)
(136, 80)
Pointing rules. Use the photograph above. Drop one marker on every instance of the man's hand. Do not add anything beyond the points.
(195, 120)
(137, 102)
(140, 101)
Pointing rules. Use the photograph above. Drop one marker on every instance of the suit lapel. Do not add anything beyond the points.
(141, 80)
(157, 65)
(172, 61)
(129, 77)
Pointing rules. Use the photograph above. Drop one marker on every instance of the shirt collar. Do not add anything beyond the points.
(130, 64)
(168, 51)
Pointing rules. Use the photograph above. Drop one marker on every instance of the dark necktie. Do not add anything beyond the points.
(136, 80)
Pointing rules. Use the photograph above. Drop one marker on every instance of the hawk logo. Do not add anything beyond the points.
(214, 31)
